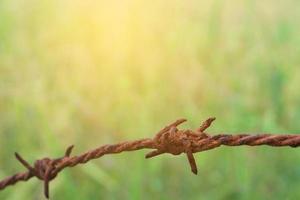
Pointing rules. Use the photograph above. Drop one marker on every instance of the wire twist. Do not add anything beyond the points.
(167, 140)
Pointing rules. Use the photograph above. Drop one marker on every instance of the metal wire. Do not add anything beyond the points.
(168, 140)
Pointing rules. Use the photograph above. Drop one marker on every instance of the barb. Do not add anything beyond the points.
(168, 140)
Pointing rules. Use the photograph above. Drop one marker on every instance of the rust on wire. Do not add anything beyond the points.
(168, 140)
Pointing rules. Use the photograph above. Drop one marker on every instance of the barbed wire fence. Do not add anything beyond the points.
(168, 140)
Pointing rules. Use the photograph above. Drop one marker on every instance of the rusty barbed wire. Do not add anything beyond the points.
(168, 140)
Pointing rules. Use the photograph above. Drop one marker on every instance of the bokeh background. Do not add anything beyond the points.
(95, 72)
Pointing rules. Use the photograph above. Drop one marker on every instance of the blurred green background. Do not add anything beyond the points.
(95, 72)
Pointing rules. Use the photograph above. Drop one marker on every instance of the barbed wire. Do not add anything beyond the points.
(168, 140)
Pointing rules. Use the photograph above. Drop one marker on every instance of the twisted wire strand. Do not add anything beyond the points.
(168, 140)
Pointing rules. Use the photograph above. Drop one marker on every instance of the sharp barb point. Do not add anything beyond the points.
(205, 124)
(153, 154)
(192, 162)
(195, 171)
(24, 162)
(46, 189)
(69, 150)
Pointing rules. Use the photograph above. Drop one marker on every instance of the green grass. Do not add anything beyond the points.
(91, 73)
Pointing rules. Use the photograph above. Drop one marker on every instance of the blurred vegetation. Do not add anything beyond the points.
(95, 72)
